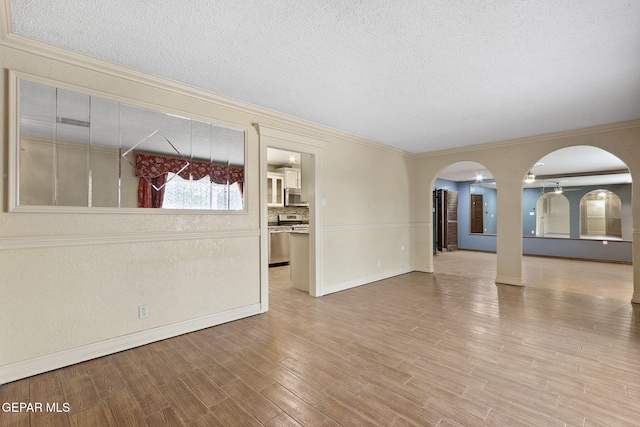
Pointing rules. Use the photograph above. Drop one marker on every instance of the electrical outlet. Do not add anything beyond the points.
(379, 263)
(143, 312)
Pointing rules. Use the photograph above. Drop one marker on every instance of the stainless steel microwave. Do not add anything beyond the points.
(293, 197)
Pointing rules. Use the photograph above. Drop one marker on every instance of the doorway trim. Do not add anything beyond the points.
(273, 137)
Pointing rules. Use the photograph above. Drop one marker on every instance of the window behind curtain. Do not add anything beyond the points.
(200, 194)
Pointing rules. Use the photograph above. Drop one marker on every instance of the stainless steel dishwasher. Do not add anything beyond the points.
(279, 245)
(279, 237)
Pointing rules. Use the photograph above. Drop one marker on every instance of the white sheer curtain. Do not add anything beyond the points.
(183, 193)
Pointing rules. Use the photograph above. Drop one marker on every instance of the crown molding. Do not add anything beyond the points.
(71, 145)
(5, 20)
(536, 138)
(25, 44)
(273, 132)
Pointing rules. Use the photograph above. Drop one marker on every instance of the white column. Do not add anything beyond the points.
(509, 241)
(636, 264)
(423, 230)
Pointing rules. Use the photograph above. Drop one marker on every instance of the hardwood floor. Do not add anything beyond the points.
(446, 349)
(582, 277)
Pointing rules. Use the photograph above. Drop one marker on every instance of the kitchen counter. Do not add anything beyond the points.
(299, 259)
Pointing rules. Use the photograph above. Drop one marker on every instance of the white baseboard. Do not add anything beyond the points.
(505, 280)
(48, 362)
(424, 269)
(343, 286)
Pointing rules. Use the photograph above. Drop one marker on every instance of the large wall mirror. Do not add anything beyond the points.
(79, 150)
(578, 192)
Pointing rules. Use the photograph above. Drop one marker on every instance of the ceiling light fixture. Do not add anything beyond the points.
(558, 189)
(529, 178)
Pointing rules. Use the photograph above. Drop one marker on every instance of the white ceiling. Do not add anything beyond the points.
(279, 157)
(418, 75)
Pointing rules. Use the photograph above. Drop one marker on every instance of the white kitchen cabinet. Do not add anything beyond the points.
(291, 177)
(275, 189)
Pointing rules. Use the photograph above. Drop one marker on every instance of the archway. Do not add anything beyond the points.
(464, 200)
(597, 223)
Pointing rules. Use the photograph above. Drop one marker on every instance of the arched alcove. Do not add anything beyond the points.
(552, 215)
(601, 215)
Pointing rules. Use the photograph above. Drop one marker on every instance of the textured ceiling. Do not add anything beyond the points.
(413, 74)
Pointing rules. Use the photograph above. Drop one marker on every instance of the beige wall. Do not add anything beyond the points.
(368, 217)
(73, 281)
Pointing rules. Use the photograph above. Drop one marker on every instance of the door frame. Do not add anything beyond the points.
(273, 137)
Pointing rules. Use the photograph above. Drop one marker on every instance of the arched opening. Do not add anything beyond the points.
(577, 206)
(465, 217)
(552, 215)
(601, 215)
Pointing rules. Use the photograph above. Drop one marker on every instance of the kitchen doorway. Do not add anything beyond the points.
(288, 217)
(274, 198)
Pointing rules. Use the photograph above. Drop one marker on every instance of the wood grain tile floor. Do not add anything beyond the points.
(443, 349)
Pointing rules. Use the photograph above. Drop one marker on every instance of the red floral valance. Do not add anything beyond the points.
(152, 166)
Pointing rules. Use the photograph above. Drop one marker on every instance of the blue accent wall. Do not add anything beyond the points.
(613, 250)
(445, 185)
(478, 242)
(530, 197)
(573, 247)
(575, 195)
(490, 209)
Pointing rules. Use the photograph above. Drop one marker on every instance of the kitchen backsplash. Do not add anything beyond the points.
(298, 210)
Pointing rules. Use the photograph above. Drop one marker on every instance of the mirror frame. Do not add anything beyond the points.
(13, 178)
